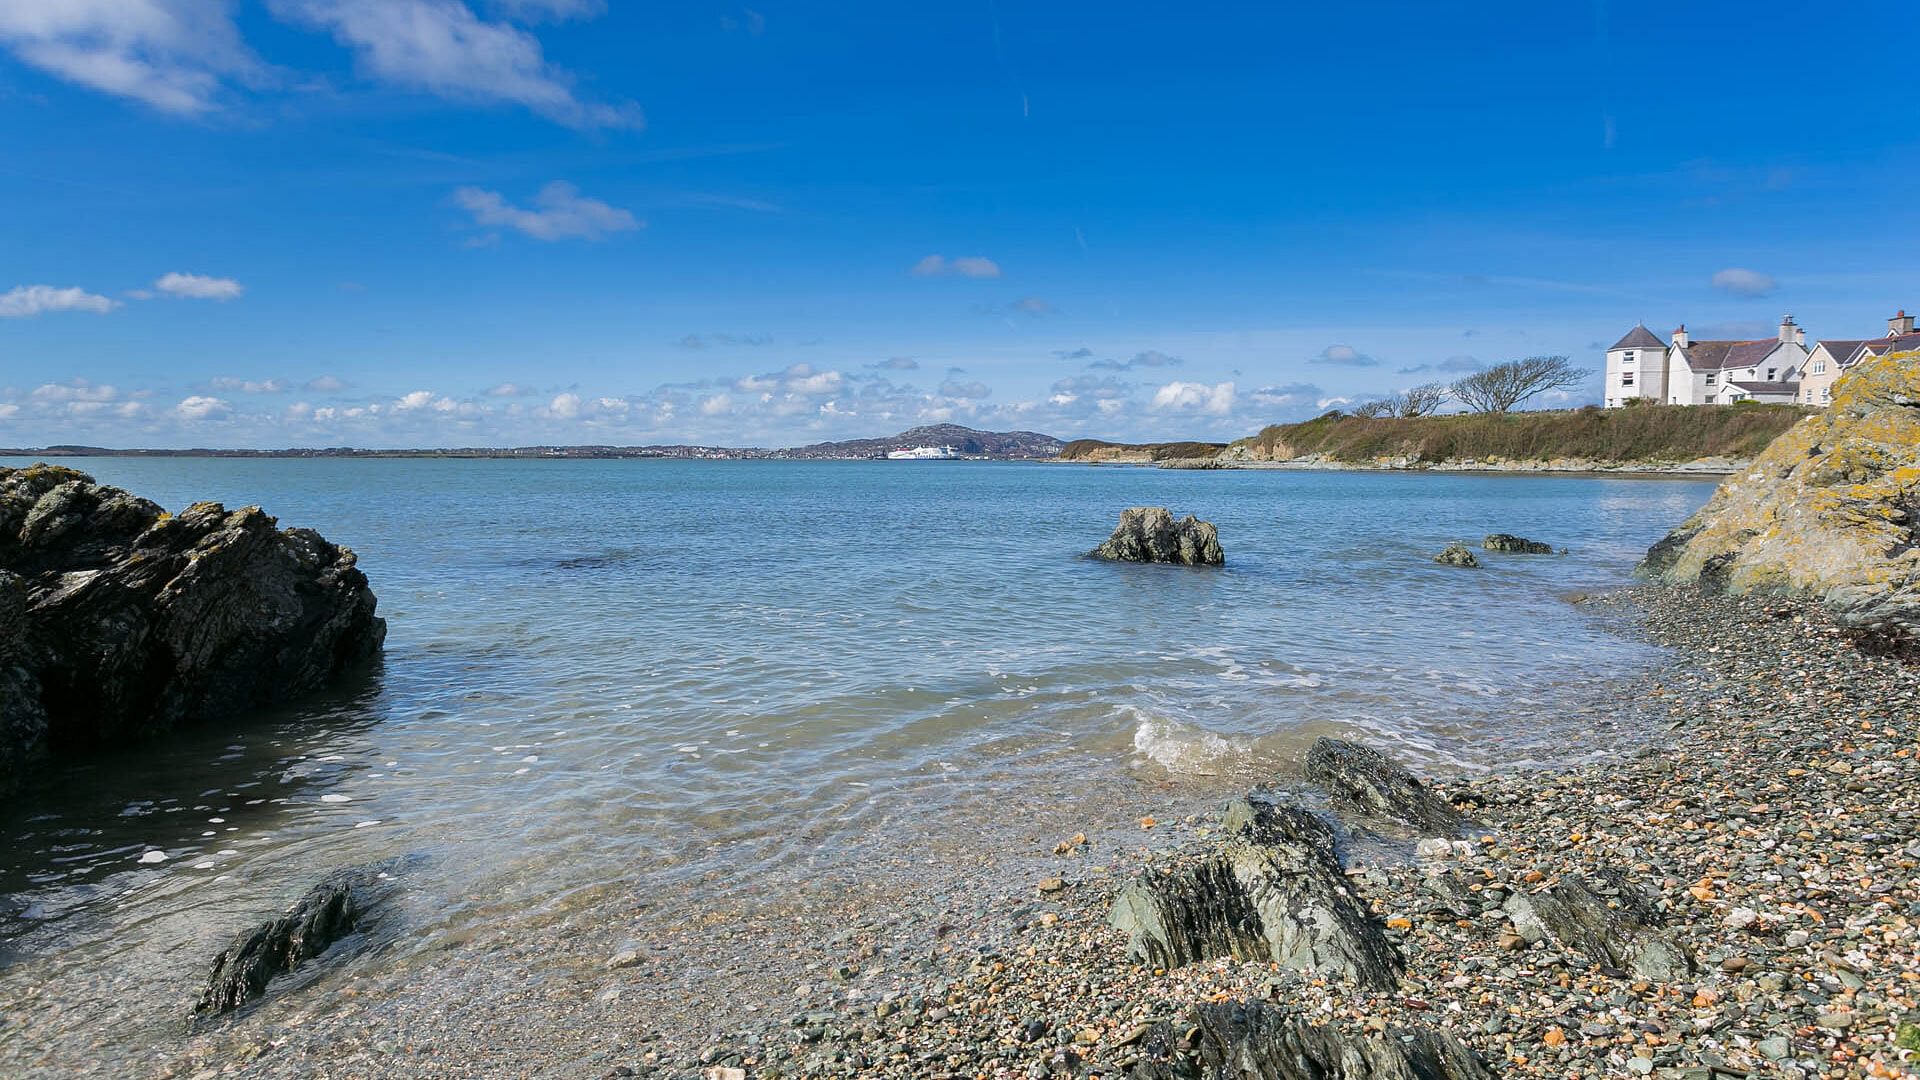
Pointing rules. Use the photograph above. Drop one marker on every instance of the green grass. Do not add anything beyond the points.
(1084, 448)
(1648, 433)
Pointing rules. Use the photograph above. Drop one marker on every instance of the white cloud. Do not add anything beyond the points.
(199, 287)
(507, 389)
(562, 213)
(443, 48)
(28, 300)
(531, 11)
(717, 405)
(972, 266)
(418, 399)
(565, 406)
(247, 386)
(327, 384)
(1344, 356)
(198, 407)
(8, 410)
(1216, 400)
(1742, 282)
(77, 390)
(173, 55)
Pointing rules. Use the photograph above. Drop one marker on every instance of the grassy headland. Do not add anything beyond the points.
(1651, 437)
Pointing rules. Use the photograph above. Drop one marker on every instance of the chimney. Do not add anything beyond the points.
(1901, 323)
(1680, 339)
(1788, 331)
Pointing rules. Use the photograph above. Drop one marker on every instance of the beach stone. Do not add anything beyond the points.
(1255, 1039)
(1458, 555)
(1272, 892)
(1370, 783)
(1516, 545)
(1623, 934)
(1149, 534)
(119, 621)
(242, 970)
(1828, 510)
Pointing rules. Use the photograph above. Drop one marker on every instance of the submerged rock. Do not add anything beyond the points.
(1458, 555)
(1149, 534)
(1367, 781)
(244, 968)
(123, 621)
(1273, 892)
(1831, 509)
(1258, 1041)
(1518, 545)
(1607, 920)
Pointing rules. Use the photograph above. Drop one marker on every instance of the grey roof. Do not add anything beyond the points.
(1768, 387)
(1883, 346)
(1720, 355)
(1840, 350)
(1639, 338)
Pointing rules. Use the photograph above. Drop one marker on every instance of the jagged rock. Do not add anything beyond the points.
(1605, 919)
(1831, 508)
(123, 621)
(346, 902)
(1458, 555)
(1518, 545)
(1258, 1041)
(1273, 891)
(1149, 534)
(1370, 783)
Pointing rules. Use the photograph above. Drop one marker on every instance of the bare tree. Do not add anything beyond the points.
(1375, 409)
(1502, 386)
(1422, 400)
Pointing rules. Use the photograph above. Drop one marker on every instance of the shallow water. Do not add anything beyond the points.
(647, 671)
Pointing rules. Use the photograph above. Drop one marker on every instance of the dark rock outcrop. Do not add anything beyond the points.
(1607, 920)
(1458, 555)
(241, 972)
(1273, 891)
(123, 621)
(1258, 1041)
(1518, 545)
(1368, 782)
(1149, 534)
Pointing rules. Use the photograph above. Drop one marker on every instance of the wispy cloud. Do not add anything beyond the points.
(559, 212)
(696, 341)
(199, 287)
(1743, 282)
(176, 56)
(897, 363)
(1033, 305)
(232, 385)
(1150, 358)
(970, 266)
(1452, 364)
(25, 301)
(1343, 356)
(442, 48)
(534, 11)
(1080, 353)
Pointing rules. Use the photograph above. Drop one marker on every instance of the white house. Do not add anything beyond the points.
(1689, 372)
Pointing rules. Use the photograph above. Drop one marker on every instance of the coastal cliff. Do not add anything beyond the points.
(119, 621)
(1829, 509)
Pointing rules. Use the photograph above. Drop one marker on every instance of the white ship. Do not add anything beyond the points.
(924, 453)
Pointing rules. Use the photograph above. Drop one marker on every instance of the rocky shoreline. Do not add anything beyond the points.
(1762, 823)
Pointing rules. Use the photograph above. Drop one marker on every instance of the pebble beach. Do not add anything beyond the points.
(1763, 797)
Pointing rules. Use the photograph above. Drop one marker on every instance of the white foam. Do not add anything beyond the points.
(1178, 747)
(152, 857)
(336, 798)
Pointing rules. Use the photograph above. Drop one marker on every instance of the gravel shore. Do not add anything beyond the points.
(1765, 799)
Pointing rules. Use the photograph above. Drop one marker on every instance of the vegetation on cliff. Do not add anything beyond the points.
(1651, 434)
(1101, 450)
(1831, 509)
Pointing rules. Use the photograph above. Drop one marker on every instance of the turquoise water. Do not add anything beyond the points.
(650, 671)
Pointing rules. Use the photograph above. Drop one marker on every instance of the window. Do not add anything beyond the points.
(1826, 394)
(1626, 378)
(1709, 399)
(1626, 358)
(1771, 373)
(1710, 377)
(1819, 367)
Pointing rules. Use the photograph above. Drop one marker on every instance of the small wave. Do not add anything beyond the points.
(1179, 747)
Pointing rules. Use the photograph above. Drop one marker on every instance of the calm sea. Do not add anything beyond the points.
(648, 671)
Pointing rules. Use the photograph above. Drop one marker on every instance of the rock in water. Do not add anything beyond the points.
(1831, 508)
(1149, 534)
(1257, 1040)
(1458, 555)
(243, 969)
(121, 621)
(1613, 924)
(1367, 781)
(1518, 545)
(1273, 892)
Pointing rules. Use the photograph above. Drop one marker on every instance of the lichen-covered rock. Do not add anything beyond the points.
(124, 621)
(1150, 534)
(1368, 782)
(1831, 508)
(1515, 545)
(1272, 892)
(1257, 1041)
(1458, 555)
(1605, 919)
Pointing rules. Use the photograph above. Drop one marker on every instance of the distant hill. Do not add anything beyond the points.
(994, 444)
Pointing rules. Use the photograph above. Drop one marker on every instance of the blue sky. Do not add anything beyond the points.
(429, 222)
